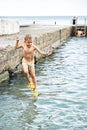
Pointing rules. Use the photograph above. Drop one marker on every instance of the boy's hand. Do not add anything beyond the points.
(17, 39)
(49, 53)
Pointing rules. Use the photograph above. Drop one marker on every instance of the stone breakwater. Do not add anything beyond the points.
(45, 37)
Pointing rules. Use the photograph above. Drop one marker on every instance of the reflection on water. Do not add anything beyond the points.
(62, 85)
(17, 108)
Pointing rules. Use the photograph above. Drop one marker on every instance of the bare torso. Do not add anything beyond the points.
(28, 52)
(79, 33)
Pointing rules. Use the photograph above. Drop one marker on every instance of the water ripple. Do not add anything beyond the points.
(62, 85)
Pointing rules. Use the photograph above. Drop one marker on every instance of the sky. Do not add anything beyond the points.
(43, 7)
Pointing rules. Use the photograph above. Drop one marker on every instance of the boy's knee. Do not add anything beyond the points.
(33, 76)
(25, 72)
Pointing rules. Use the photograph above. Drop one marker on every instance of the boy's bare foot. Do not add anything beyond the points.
(31, 85)
(35, 93)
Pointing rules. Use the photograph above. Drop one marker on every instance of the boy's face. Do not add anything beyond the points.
(28, 41)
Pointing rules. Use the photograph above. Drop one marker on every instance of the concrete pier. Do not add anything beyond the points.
(8, 27)
(45, 37)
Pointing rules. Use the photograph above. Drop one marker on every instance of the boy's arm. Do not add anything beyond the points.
(42, 52)
(17, 45)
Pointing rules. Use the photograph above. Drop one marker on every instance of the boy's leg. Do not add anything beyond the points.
(35, 91)
(25, 68)
(32, 73)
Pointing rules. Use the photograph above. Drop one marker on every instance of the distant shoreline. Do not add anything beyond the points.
(45, 20)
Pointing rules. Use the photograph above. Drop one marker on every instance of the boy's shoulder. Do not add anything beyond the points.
(34, 45)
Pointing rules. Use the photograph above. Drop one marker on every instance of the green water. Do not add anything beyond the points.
(62, 86)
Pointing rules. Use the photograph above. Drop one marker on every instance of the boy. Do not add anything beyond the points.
(80, 33)
(28, 60)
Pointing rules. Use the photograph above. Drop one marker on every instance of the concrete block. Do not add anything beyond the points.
(8, 27)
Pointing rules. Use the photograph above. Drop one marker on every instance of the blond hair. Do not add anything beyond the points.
(27, 37)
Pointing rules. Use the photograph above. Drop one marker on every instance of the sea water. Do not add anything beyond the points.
(62, 86)
(47, 20)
